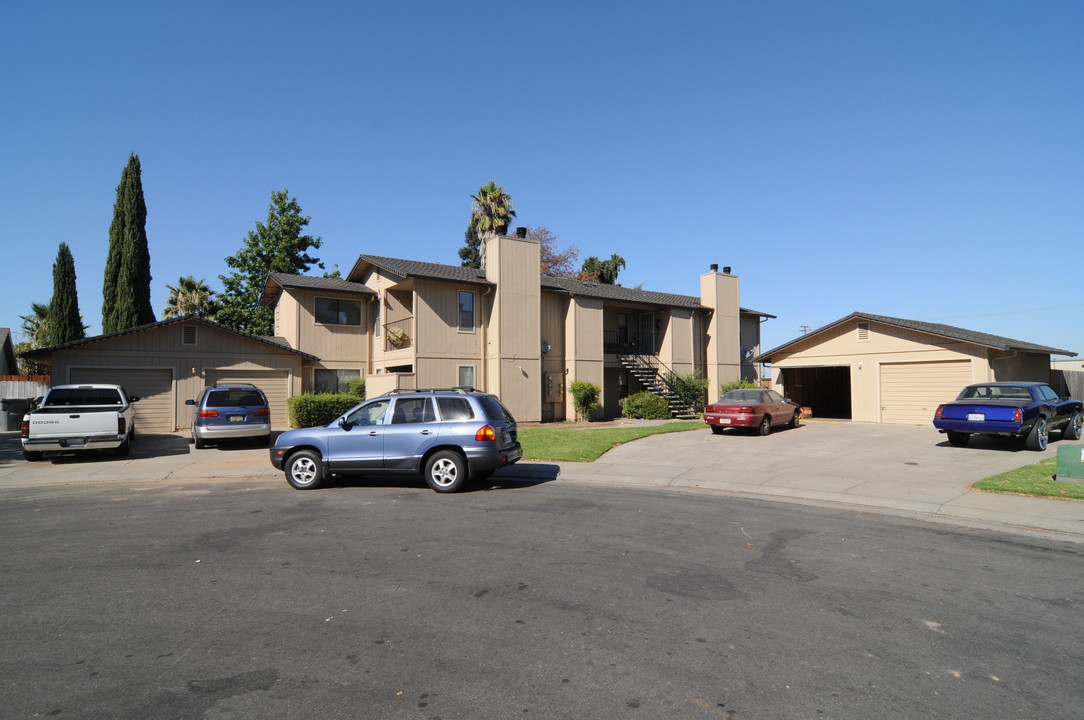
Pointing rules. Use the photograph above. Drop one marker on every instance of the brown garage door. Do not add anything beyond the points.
(153, 386)
(911, 392)
(274, 383)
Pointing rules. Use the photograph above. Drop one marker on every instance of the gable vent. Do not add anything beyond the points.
(863, 332)
(188, 335)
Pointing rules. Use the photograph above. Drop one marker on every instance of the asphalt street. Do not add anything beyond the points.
(242, 598)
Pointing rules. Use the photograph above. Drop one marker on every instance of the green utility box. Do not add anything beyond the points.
(1070, 464)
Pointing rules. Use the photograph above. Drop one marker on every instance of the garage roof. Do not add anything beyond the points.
(277, 343)
(945, 331)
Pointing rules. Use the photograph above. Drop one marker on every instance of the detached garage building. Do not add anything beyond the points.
(168, 362)
(872, 368)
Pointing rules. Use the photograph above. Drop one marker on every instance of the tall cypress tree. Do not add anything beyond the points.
(126, 291)
(65, 324)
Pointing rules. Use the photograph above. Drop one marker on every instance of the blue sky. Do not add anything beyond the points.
(917, 159)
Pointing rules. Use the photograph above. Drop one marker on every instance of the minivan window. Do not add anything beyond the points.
(233, 398)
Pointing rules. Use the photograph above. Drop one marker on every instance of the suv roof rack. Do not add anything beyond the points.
(463, 390)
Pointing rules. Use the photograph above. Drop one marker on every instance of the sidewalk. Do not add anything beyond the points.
(904, 471)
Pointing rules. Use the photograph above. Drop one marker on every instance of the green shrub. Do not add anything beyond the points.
(585, 397)
(692, 388)
(644, 405)
(736, 385)
(357, 388)
(312, 410)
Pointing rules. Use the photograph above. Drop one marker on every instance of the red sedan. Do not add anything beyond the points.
(751, 408)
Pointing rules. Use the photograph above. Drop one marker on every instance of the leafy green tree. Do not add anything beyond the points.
(471, 252)
(190, 297)
(603, 271)
(275, 247)
(585, 398)
(65, 323)
(36, 330)
(126, 291)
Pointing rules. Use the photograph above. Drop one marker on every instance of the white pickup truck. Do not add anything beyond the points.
(79, 418)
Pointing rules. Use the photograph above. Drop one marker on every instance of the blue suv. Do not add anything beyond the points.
(449, 436)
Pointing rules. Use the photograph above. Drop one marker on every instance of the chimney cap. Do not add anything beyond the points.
(726, 270)
(715, 267)
(521, 232)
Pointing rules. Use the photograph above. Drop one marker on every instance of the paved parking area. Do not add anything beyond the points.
(902, 469)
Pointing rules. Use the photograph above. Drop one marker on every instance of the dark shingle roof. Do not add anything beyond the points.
(279, 345)
(432, 271)
(945, 331)
(275, 281)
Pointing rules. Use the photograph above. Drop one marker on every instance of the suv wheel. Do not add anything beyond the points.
(303, 470)
(446, 471)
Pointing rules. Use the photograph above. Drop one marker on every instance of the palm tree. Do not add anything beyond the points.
(36, 325)
(492, 210)
(190, 297)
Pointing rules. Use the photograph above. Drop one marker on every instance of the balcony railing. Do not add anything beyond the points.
(620, 342)
(398, 335)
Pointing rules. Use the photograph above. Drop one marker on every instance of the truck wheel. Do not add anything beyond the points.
(765, 426)
(303, 470)
(1071, 431)
(124, 448)
(958, 439)
(446, 471)
(1038, 436)
(33, 455)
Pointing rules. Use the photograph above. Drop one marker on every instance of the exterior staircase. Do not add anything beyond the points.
(650, 372)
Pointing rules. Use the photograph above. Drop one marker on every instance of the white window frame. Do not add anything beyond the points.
(473, 374)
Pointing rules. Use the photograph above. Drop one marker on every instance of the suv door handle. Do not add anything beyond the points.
(427, 432)
(373, 433)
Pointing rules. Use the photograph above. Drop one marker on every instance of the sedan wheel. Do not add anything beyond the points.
(797, 419)
(1072, 429)
(303, 470)
(765, 426)
(1038, 436)
(446, 471)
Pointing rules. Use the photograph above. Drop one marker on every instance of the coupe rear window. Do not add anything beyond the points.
(234, 398)
(995, 392)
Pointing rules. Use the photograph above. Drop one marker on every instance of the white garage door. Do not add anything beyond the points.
(274, 383)
(153, 386)
(911, 392)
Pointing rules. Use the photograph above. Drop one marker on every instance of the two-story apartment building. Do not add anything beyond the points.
(402, 323)
(506, 329)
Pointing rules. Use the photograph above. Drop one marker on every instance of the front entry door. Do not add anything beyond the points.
(647, 334)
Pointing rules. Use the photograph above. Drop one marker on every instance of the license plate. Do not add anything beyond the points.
(724, 421)
(976, 417)
(237, 418)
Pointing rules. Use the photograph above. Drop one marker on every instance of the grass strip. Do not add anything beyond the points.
(587, 444)
(1035, 480)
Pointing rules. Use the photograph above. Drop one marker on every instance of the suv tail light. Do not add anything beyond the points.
(485, 434)
(208, 413)
(940, 411)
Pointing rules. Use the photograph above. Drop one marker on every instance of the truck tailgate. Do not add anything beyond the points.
(70, 422)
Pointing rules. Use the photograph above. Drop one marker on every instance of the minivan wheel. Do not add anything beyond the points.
(303, 470)
(446, 471)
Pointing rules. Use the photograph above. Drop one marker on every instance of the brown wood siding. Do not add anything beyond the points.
(911, 392)
(153, 387)
(332, 343)
(436, 321)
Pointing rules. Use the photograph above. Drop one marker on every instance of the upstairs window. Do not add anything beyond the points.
(466, 311)
(332, 311)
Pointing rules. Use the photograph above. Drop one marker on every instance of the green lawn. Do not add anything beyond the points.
(559, 444)
(1032, 480)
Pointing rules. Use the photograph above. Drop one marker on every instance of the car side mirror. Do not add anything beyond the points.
(189, 402)
(345, 424)
(133, 398)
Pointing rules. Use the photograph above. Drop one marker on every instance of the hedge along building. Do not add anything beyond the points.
(506, 329)
(874, 368)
